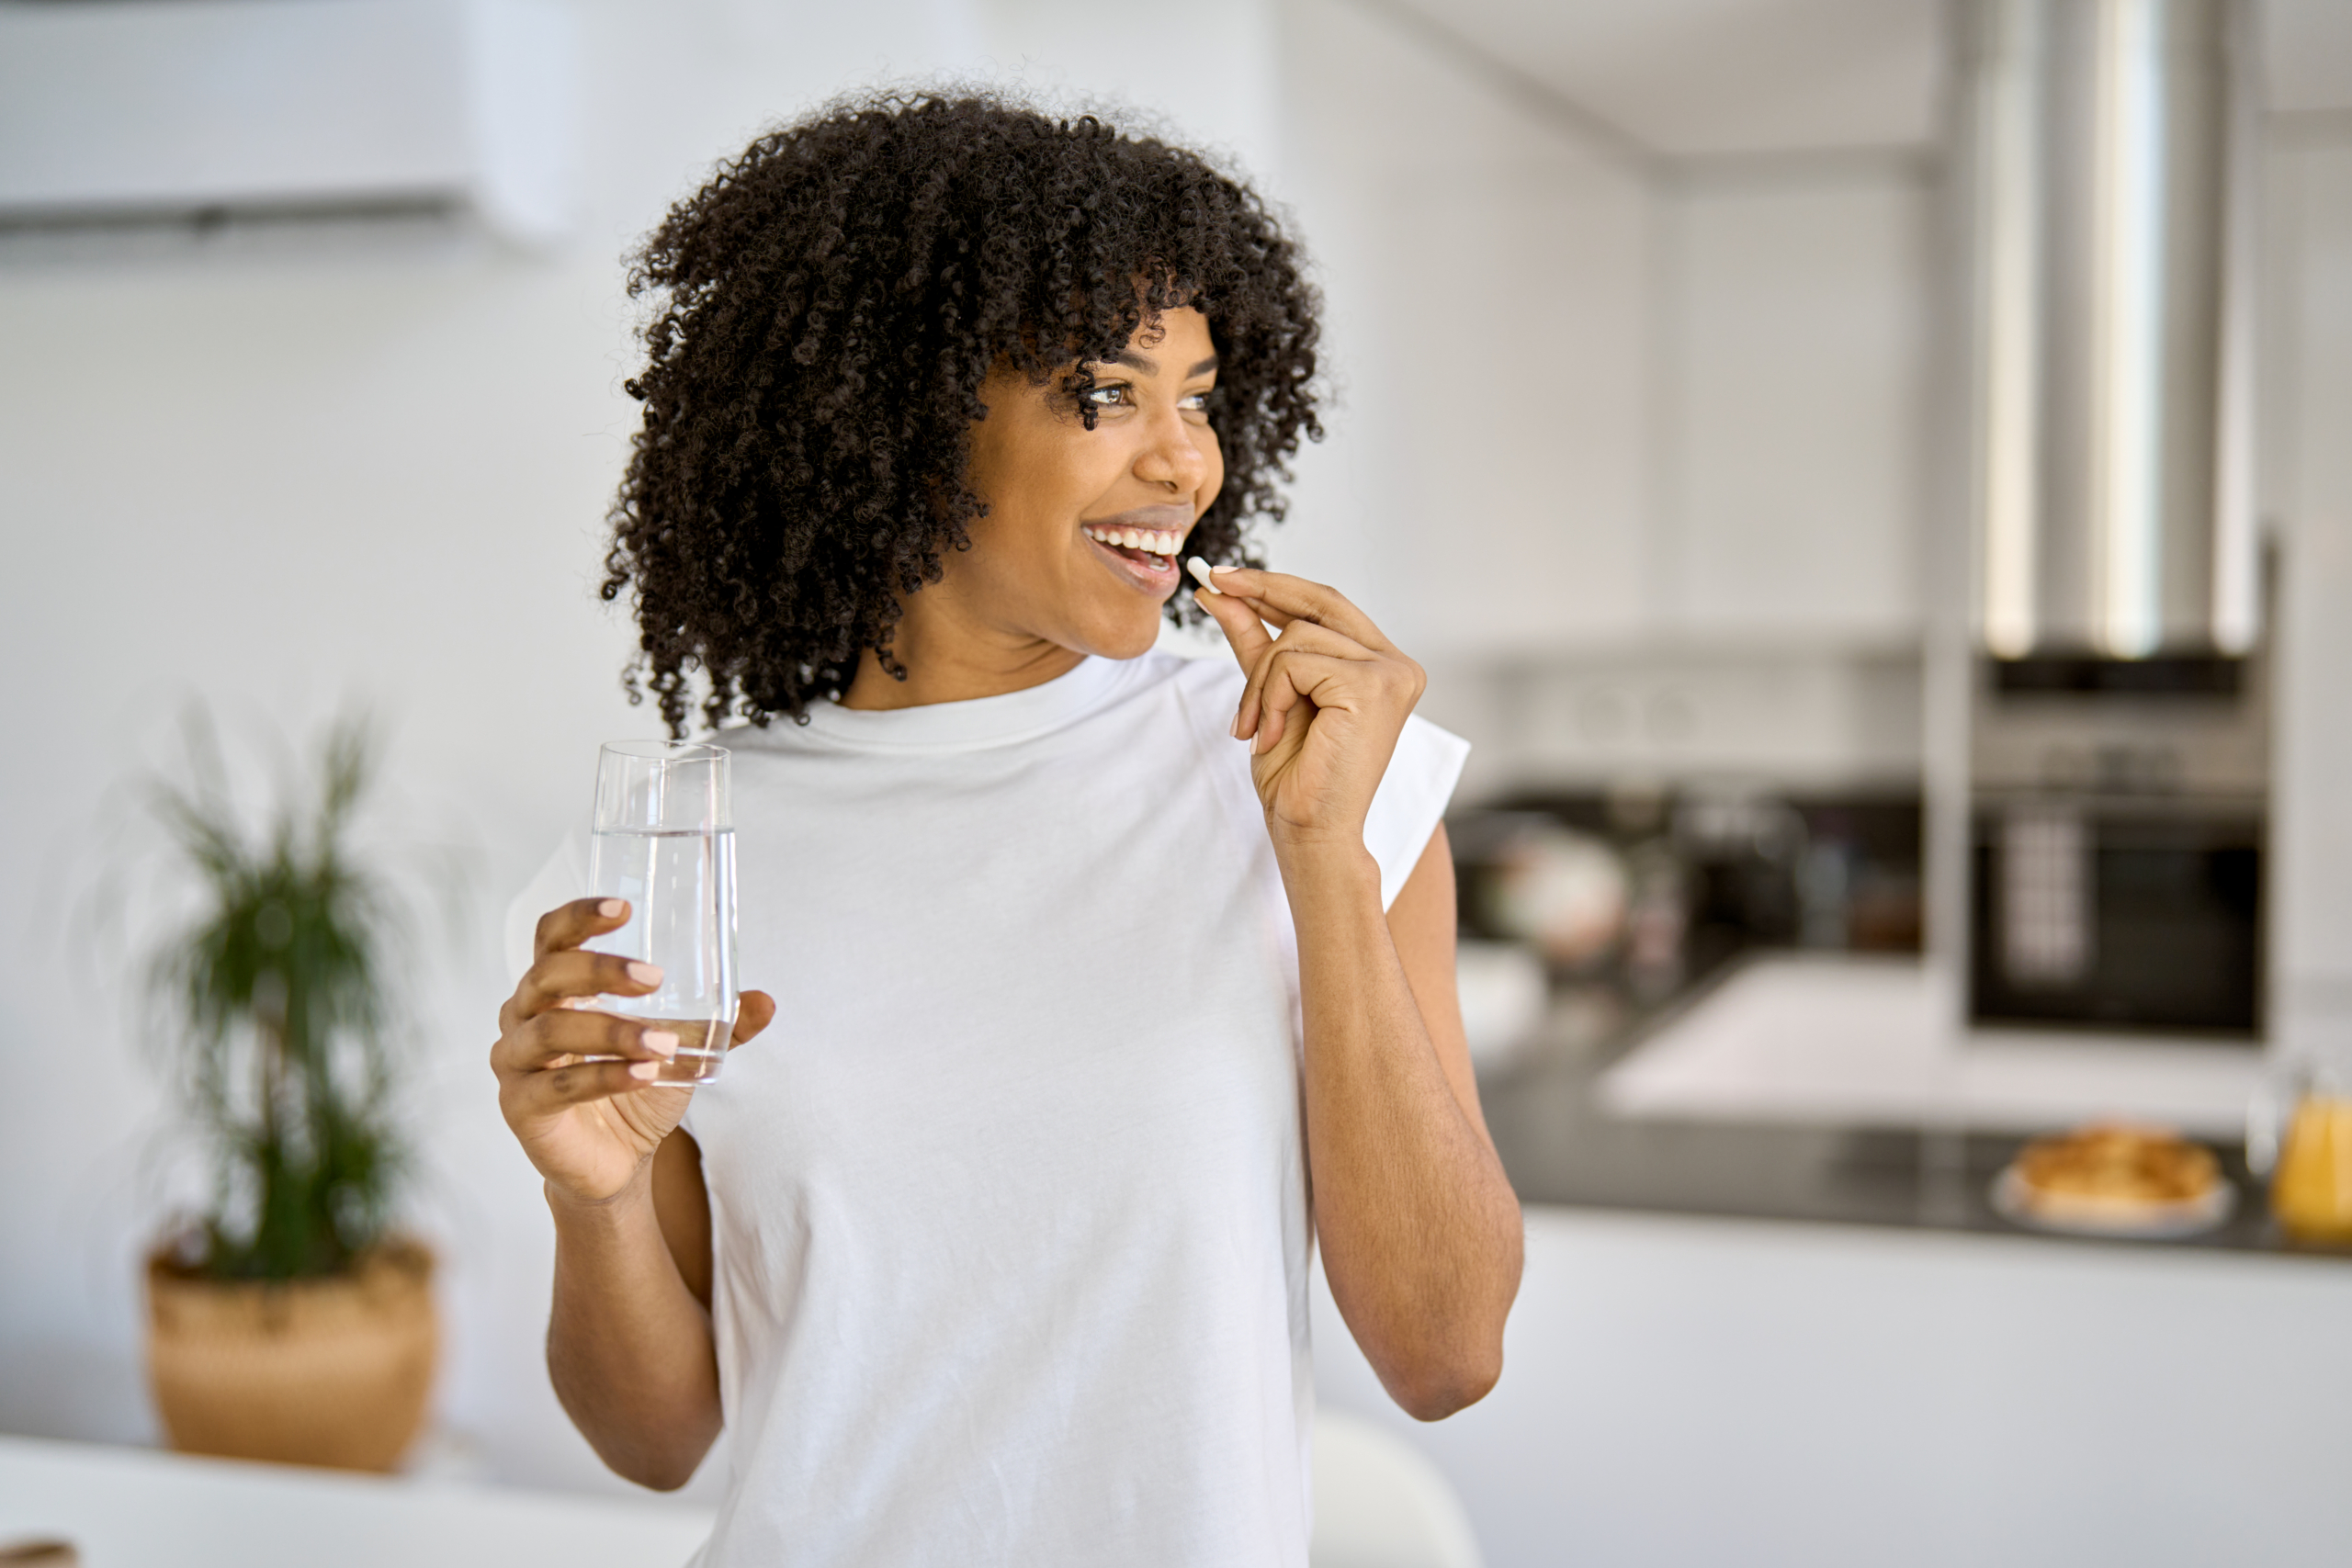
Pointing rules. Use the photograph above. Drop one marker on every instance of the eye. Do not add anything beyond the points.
(1198, 402)
(1105, 395)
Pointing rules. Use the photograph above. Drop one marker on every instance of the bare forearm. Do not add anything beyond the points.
(1420, 1233)
(630, 1348)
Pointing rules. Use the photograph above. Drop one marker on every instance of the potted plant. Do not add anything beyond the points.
(288, 1323)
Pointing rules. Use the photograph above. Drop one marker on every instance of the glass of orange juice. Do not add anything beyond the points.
(2308, 1148)
(2311, 1190)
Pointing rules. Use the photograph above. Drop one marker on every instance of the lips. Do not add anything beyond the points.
(1148, 541)
(1148, 564)
(1142, 544)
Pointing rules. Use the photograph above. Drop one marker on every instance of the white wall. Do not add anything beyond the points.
(1214, 83)
(277, 471)
(272, 486)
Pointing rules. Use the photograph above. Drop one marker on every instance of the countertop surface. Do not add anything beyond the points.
(122, 1507)
(1604, 1109)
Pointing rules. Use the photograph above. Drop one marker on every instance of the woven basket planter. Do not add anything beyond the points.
(333, 1371)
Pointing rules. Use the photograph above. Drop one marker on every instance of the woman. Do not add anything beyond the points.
(1110, 983)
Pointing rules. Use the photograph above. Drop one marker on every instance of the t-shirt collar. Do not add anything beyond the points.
(979, 721)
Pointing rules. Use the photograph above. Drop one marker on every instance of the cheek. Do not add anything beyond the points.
(1029, 478)
(1212, 456)
(1067, 468)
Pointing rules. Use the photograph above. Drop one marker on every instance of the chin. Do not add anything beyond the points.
(1127, 636)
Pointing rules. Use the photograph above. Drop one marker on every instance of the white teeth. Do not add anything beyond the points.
(1159, 542)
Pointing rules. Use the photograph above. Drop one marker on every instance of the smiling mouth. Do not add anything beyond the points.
(1161, 542)
(1147, 556)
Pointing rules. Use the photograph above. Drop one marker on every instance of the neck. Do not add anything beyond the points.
(948, 660)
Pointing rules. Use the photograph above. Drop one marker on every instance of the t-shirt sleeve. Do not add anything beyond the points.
(1411, 800)
(563, 878)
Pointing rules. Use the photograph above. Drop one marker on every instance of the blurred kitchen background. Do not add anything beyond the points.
(1868, 477)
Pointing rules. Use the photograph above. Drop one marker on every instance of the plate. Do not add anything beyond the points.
(2068, 1214)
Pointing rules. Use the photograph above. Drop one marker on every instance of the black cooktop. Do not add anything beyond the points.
(1560, 1147)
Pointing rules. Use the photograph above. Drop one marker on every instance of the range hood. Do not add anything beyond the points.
(2105, 150)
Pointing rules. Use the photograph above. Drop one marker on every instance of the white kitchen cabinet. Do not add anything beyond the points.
(1593, 400)
(2309, 482)
(1520, 484)
(1487, 278)
(1682, 1391)
(1797, 375)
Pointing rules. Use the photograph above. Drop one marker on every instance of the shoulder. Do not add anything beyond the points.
(779, 733)
(1205, 692)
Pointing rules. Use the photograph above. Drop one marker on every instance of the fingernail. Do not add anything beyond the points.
(660, 1042)
(644, 1070)
(610, 907)
(645, 973)
(1234, 728)
(1200, 570)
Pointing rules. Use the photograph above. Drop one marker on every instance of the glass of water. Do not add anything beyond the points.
(664, 839)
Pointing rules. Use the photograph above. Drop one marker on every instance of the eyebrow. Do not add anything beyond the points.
(1150, 367)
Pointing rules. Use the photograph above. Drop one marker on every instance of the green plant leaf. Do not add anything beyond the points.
(277, 993)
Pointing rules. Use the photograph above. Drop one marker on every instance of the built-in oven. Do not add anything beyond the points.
(2118, 915)
(2118, 819)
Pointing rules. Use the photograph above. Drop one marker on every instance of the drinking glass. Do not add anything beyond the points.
(664, 839)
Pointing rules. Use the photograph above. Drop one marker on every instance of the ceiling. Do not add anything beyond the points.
(1697, 78)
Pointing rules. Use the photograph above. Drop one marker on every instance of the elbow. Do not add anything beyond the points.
(658, 1456)
(1445, 1386)
(656, 1467)
(658, 1476)
(1438, 1349)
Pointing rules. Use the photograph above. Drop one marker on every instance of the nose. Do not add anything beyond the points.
(1170, 456)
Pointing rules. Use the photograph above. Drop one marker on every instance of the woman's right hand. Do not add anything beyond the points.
(591, 1127)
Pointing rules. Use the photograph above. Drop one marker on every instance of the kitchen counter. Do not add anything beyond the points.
(1686, 1109)
(127, 1507)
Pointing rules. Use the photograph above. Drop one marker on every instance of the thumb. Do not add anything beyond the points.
(753, 1012)
(1244, 632)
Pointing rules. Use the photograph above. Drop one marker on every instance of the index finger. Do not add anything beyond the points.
(567, 925)
(1280, 598)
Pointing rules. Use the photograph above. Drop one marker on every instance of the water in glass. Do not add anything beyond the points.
(664, 841)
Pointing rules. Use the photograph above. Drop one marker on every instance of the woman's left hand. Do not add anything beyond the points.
(1326, 697)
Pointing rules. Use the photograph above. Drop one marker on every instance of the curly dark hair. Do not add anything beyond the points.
(826, 309)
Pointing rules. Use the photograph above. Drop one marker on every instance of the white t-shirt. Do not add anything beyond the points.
(1009, 1209)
